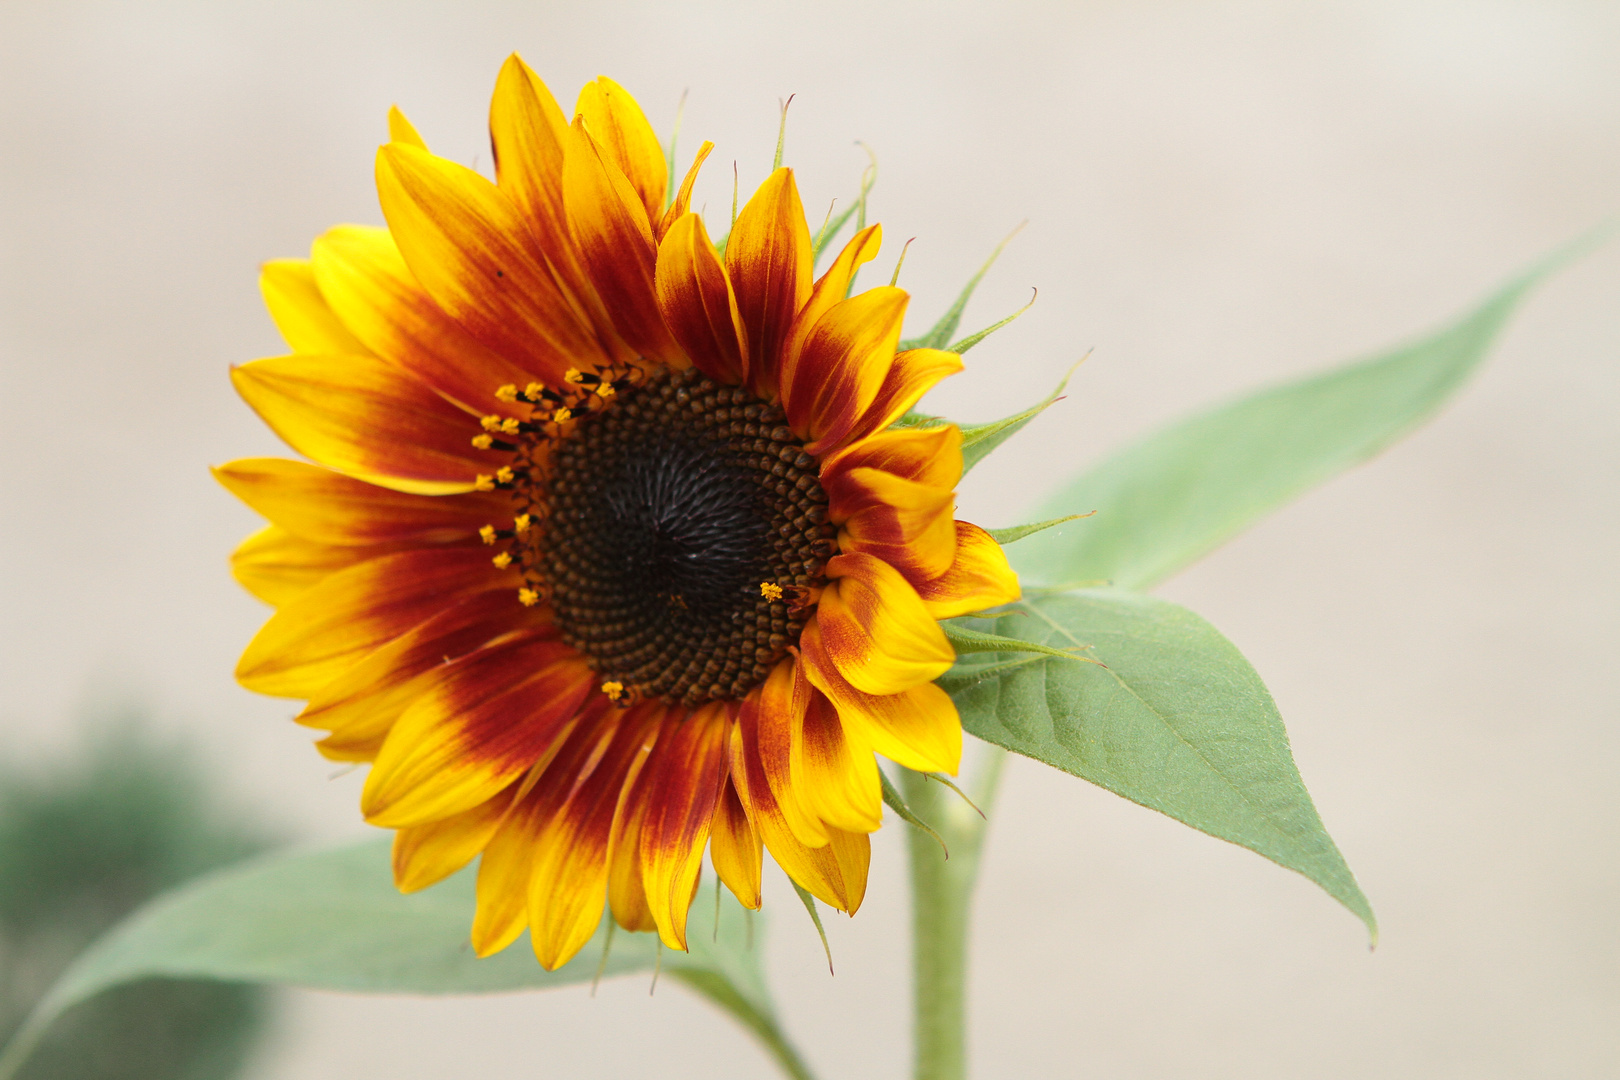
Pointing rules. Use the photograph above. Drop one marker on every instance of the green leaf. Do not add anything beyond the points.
(1175, 495)
(332, 919)
(1177, 721)
(979, 439)
(941, 331)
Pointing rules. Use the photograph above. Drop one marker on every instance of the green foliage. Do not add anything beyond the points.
(80, 847)
(332, 919)
(1171, 716)
(1170, 498)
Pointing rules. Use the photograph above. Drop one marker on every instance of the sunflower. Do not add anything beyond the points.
(607, 547)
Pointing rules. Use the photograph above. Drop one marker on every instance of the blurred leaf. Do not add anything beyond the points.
(1173, 496)
(1177, 721)
(82, 844)
(332, 920)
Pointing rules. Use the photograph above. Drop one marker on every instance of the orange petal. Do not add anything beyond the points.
(324, 632)
(918, 728)
(487, 719)
(735, 850)
(465, 242)
(301, 313)
(682, 202)
(359, 707)
(875, 629)
(835, 775)
(330, 508)
(427, 854)
(278, 567)
(834, 873)
(364, 277)
(915, 372)
(528, 132)
(768, 259)
(831, 288)
(570, 872)
(685, 779)
(781, 701)
(363, 417)
(979, 577)
(845, 359)
(620, 128)
(698, 304)
(615, 241)
(627, 892)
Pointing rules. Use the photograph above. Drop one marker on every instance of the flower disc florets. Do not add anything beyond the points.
(683, 525)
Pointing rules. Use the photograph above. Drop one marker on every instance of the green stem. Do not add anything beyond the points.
(941, 901)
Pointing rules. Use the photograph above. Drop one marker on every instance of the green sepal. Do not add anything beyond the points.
(893, 800)
(830, 228)
(966, 641)
(809, 903)
(941, 331)
(978, 440)
(1018, 532)
(971, 340)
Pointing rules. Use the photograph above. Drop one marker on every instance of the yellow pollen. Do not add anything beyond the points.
(509, 426)
(487, 534)
(490, 423)
(483, 442)
(573, 375)
(613, 689)
(502, 561)
(483, 483)
(503, 474)
(605, 390)
(520, 524)
(528, 597)
(534, 389)
(507, 392)
(770, 590)
(562, 414)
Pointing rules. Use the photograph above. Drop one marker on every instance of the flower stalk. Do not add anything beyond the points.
(941, 904)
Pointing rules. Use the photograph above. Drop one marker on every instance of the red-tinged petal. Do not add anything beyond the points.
(528, 132)
(893, 495)
(685, 778)
(278, 567)
(301, 313)
(834, 774)
(615, 241)
(979, 578)
(735, 849)
(427, 854)
(364, 277)
(486, 720)
(620, 128)
(330, 508)
(834, 872)
(768, 258)
(627, 893)
(931, 456)
(328, 629)
(570, 872)
(915, 372)
(844, 361)
(363, 417)
(466, 244)
(781, 702)
(682, 203)
(831, 288)
(698, 304)
(875, 630)
(360, 706)
(917, 728)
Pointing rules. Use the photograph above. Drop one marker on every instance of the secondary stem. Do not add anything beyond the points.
(941, 900)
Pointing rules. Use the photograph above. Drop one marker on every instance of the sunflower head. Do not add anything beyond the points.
(607, 548)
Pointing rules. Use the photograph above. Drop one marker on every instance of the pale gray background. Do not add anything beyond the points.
(1218, 195)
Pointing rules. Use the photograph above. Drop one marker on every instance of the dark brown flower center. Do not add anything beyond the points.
(684, 525)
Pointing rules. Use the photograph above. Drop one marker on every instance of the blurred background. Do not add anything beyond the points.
(1218, 195)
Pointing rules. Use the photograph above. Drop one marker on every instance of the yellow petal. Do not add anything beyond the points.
(698, 304)
(979, 577)
(913, 374)
(279, 567)
(685, 779)
(845, 359)
(768, 259)
(682, 203)
(831, 288)
(427, 854)
(620, 128)
(834, 773)
(301, 313)
(875, 629)
(735, 850)
(401, 130)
